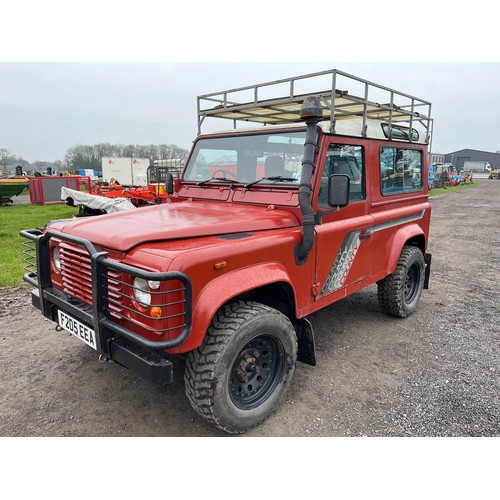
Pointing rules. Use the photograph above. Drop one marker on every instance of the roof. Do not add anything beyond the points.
(246, 104)
(348, 127)
(469, 150)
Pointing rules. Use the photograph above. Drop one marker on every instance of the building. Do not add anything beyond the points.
(459, 157)
(435, 158)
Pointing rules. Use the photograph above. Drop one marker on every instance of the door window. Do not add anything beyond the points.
(344, 159)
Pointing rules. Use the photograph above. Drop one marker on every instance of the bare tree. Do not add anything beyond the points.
(84, 156)
(81, 156)
(5, 157)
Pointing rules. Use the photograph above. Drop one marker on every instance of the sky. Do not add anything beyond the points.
(48, 107)
(108, 71)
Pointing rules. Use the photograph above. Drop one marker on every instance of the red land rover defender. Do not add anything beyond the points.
(267, 225)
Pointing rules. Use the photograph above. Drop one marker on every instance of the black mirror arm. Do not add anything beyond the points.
(319, 214)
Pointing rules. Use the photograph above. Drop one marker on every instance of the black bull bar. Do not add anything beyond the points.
(113, 341)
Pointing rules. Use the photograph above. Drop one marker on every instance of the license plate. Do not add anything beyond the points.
(76, 328)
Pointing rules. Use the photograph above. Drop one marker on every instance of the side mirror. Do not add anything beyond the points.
(169, 183)
(338, 190)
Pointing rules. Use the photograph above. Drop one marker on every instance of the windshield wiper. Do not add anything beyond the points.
(277, 178)
(220, 179)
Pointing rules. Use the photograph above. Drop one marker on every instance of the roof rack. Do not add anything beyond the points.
(397, 107)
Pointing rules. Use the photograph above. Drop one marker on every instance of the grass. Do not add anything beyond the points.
(13, 219)
(436, 191)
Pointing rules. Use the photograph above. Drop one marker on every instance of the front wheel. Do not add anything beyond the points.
(240, 373)
(398, 293)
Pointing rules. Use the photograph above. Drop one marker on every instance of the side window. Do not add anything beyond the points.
(344, 159)
(400, 170)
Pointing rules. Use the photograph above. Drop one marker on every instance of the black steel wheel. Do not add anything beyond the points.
(256, 371)
(240, 373)
(398, 293)
(412, 283)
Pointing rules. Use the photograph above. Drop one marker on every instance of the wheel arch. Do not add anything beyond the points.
(278, 295)
(411, 235)
(417, 241)
(268, 284)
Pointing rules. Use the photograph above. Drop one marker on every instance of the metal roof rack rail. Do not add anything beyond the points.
(397, 108)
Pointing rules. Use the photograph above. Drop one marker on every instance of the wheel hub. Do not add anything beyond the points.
(248, 367)
(255, 372)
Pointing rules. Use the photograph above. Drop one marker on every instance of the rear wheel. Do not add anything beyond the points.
(398, 293)
(240, 373)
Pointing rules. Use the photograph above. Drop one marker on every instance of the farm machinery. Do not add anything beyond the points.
(105, 194)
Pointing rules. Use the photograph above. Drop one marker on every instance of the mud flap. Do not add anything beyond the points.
(305, 338)
(428, 258)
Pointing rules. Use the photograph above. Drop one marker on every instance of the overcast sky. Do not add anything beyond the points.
(46, 108)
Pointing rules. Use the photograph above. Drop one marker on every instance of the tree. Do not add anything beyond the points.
(42, 165)
(5, 158)
(128, 150)
(82, 156)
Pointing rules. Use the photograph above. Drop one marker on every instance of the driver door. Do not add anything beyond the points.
(343, 240)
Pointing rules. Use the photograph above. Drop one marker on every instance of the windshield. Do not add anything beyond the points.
(260, 159)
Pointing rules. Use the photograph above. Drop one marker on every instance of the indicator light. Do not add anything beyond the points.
(220, 265)
(155, 312)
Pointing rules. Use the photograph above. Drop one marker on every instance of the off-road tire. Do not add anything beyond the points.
(398, 293)
(247, 335)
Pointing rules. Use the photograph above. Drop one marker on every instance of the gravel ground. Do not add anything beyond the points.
(437, 373)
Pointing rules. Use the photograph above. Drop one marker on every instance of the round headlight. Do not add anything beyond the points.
(56, 258)
(154, 285)
(141, 292)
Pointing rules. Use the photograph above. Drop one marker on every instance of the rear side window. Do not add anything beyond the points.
(400, 170)
(348, 160)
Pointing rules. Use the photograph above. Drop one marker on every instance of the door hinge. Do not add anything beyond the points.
(315, 289)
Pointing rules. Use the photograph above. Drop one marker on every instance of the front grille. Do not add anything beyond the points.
(76, 272)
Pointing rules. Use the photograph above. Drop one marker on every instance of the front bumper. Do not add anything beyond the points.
(114, 341)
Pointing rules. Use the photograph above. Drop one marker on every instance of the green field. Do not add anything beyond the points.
(13, 219)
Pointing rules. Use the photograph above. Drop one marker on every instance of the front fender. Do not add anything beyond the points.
(224, 288)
